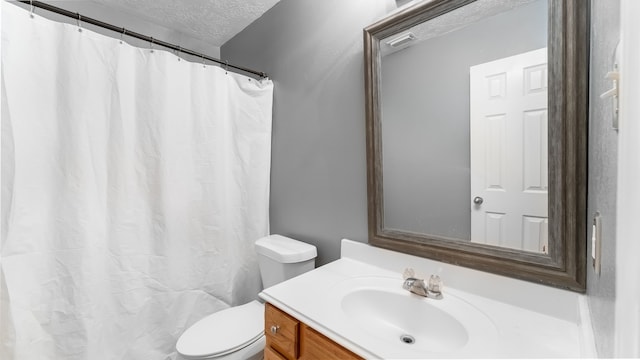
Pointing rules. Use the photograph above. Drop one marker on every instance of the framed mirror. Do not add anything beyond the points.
(476, 120)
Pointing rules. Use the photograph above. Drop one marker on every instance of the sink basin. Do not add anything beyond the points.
(410, 325)
(405, 319)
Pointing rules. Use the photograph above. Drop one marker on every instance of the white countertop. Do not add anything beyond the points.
(522, 331)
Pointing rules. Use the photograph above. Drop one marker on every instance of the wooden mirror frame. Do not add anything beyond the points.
(568, 45)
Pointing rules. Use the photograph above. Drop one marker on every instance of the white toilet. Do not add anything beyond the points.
(237, 333)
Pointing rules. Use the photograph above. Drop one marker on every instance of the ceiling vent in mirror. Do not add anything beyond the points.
(401, 40)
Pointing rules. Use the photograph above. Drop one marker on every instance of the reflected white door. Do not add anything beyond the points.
(509, 176)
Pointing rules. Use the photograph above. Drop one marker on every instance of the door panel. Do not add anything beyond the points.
(509, 166)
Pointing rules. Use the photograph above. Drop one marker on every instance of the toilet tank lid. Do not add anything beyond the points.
(285, 250)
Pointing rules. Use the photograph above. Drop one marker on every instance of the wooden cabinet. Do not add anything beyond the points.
(290, 339)
(282, 332)
(315, 346)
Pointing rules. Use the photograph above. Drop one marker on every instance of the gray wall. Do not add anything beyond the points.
(603, 155)
(425, 92)
(313, 51)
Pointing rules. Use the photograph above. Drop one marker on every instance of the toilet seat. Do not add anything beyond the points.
(223, 332)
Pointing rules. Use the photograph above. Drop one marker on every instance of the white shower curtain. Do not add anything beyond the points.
(133, 188)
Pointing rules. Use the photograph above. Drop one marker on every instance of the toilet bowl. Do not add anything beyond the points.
(234, 333)
(237, 333)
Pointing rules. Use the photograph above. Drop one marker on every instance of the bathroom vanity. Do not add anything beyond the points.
(355, 307)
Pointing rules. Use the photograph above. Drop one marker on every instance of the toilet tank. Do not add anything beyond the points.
(281, 258)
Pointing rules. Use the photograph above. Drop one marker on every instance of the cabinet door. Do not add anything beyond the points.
(281, 331)
(315, 346)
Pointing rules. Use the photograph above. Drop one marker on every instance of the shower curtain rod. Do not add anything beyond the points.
(136, 35)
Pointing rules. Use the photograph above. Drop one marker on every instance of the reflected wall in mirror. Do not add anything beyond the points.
(476, 130)
(458, 124)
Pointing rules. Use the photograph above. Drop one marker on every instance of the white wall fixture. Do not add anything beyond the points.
(596, 243)
(614, 92)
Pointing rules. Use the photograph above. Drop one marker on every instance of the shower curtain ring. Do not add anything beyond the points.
(179, 51)
(79, 22)
(124, 31)
(203, 63)
(31, 12)
(151, 45)
(226, 67)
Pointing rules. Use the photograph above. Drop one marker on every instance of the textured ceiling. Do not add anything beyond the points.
(214, 21)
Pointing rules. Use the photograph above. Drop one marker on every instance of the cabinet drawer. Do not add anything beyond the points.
(281, 331)
(270, 354)
(315, 346)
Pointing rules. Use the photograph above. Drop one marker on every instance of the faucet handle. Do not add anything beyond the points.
(408, 273)
(435, 284)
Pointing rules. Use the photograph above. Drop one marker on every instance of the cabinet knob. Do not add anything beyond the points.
(274, 329)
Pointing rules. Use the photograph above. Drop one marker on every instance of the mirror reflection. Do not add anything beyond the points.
(464, 126)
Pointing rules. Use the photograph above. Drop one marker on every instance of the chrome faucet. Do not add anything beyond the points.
(417, 286)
